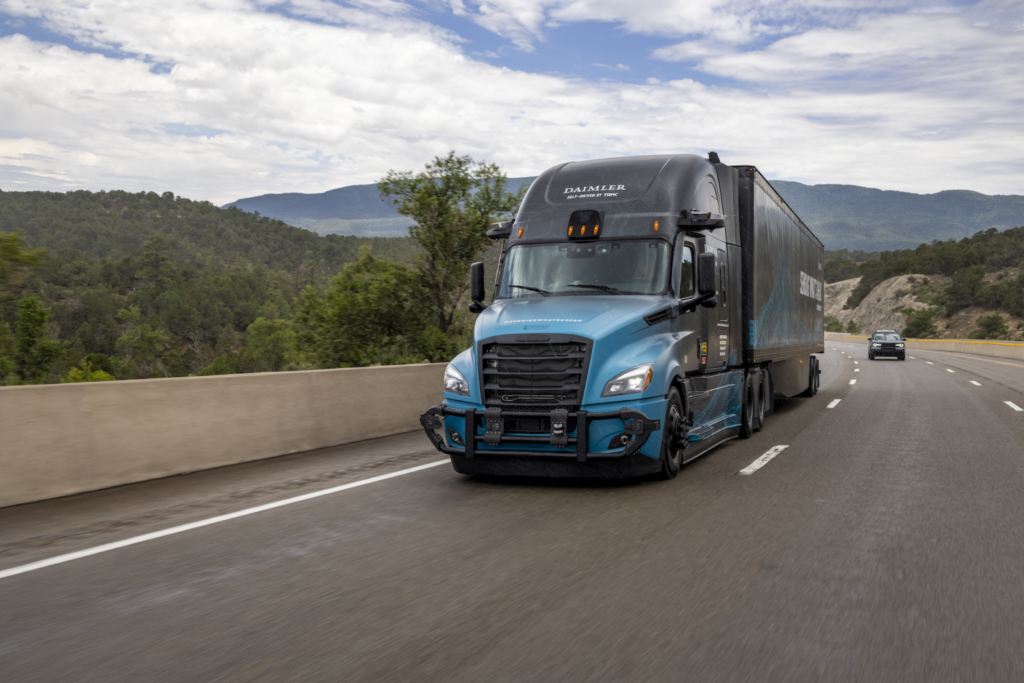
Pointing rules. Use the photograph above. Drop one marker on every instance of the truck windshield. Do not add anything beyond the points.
(626, 267)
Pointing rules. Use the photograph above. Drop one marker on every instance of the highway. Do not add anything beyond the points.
(884, 543)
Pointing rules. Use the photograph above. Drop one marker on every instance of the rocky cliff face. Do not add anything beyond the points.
(880, 309)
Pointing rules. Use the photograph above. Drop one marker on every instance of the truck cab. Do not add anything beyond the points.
(622, 338)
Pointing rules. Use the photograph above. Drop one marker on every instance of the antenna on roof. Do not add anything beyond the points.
(713, 158)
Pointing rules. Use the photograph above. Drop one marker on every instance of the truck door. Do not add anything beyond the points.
(720, 328)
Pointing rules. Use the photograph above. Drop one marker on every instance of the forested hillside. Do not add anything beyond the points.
(146, 285)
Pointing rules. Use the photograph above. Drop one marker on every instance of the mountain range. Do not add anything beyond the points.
(842, 216)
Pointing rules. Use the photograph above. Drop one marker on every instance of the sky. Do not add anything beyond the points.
(225, 99)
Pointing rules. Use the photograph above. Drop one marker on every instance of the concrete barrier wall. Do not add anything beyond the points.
(61, 439)
(977, 347)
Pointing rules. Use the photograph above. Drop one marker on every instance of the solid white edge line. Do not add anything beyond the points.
(1014, 406)
(977, 384)
(763, 460)
(853, 381)
(59, 559)
(834, 403)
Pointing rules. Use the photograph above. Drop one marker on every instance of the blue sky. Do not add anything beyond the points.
(223, 99)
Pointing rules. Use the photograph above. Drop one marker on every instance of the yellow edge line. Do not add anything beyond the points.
(946, 341)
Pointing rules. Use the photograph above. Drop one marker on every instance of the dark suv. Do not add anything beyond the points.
(886, 343)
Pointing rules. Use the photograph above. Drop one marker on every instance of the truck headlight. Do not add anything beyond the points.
(899, 346)
(632, 381)
(454, 382)
(875, 346)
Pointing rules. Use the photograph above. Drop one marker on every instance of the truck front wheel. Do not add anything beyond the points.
(673, 431)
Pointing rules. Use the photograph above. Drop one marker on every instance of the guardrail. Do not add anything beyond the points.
(978, 347)
(60, 439)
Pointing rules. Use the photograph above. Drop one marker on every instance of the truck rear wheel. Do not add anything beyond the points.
(673, 431)
(769, 392)
(759, 400)
(749, 406)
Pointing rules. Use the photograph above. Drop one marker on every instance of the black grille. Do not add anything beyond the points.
(540, 375)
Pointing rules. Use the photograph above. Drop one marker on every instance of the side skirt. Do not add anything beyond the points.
(699, 448)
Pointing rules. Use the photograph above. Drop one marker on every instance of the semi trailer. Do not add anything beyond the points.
(646, 310)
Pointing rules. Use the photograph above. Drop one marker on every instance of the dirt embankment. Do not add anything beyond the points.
(882, 308)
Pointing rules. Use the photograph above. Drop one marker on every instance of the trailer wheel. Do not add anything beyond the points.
(759, 400)
(748, 408)
(812, 378)
(769, 392)
(675, 428)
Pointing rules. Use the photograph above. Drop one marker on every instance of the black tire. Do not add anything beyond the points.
(817, 374)
(671, 454)
(903, 357)
(812, 378)
(747, 400)
(871, 356)
(759, 400)
(769, 393)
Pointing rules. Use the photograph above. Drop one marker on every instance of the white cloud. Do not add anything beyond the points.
(257, 102)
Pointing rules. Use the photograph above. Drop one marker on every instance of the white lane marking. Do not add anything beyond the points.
(856, 363)
(929, 362)
(1014, 406)
(911, 357)
(856, 369)
(59, 559)
(948, 370)
(853, 381)
(834, 403)
(977, 384)
(763, 460)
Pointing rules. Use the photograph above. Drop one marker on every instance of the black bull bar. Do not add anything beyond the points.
(636, 425)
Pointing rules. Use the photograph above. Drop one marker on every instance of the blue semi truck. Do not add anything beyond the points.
(646, 310)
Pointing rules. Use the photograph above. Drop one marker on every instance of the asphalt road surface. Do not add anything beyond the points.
(885, 543)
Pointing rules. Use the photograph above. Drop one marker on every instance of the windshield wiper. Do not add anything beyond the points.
(603, 288)
(532, 289)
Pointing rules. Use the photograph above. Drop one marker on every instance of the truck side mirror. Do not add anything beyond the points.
(706, 267)
(476, 287)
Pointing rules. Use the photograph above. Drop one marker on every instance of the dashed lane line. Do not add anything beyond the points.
(977, 384)
(1014, 406)
(929, 362)
(948, 370)
(60, 559)
(763, 460)
(853, 381)
(834, 403)
(856, 369)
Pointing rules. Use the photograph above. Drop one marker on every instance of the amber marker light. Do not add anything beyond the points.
(583, 230)
(570, 231)
(521, 232)
(596, 228)
(655, 226)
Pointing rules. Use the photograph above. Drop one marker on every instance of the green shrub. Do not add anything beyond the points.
(920, 323)
(990, 327)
